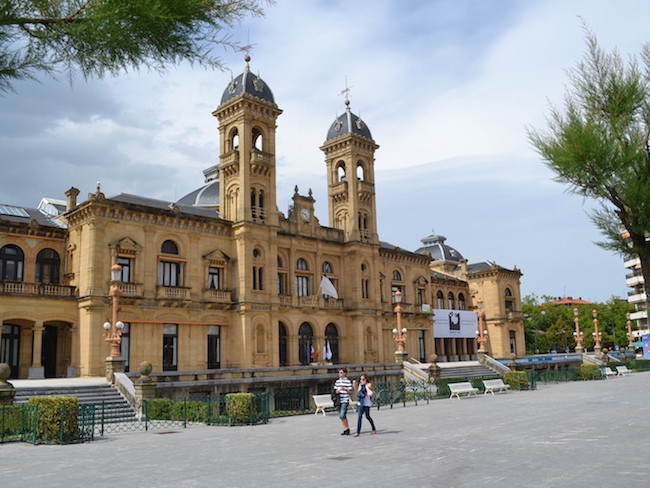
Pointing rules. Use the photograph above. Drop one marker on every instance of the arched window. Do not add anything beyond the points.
(365, 282)
(305, 343)
(169, 270)
(11, 263)
(452, 301)
(340, 171)
(509, 301)
(282, 346)
(234, 140)
(331, 343)
(47, 266)
(169, 247)
(302, 278)
(361, 172)
(461, 302)
(258, 270)
(327, 267)
(440, 299)
(258, 140)
(397, 276)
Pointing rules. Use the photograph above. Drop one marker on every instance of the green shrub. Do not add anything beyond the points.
(589, 372)
(191, 411)
(10, 420)
(518, 380)
(159, 409)
(241, 408)
(57, 418)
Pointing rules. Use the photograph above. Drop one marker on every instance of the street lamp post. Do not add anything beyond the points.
(399, 333)
(597, 334)
(577, 334)
(114, 362)
(630, 337)
(481, 333)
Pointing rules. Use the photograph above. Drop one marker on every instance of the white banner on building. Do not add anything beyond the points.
(454, 323)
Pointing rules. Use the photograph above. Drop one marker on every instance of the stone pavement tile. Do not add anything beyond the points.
(562, 435)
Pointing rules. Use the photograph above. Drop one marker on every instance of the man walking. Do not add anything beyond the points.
(343, 387)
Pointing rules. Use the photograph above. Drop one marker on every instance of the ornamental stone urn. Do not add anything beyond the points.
(7, 390)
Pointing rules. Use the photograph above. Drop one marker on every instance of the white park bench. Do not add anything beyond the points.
(622, 370)
(495, 385)
(458, 389)
(609, 372)
(325, 401)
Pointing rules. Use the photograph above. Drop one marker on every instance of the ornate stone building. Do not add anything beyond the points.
(223, 279)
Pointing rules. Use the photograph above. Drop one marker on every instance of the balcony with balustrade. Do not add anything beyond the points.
(37, 289)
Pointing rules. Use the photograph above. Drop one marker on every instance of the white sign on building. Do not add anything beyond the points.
(454, 323)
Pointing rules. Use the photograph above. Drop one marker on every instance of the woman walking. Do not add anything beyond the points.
(364, 394)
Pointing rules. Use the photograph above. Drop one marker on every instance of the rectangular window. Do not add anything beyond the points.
(420, 296)
(258, 278)
(509, 306)
(214, 278)
(169, 273)
(365, 288)
(302, 286)
(513, 342)
(214, 347)
(170, 347)
(422, 349)
(282, 284)
(126, 264)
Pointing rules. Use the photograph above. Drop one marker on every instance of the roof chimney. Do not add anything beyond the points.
(71, 201)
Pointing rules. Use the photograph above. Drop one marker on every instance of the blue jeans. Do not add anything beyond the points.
(364, 411)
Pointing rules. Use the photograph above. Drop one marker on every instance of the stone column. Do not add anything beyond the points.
(36, 370)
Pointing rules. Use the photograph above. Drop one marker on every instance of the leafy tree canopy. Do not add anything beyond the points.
(551, 327)
(599, 145)
(99, 37)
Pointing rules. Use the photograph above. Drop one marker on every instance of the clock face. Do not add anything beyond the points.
(304, 213)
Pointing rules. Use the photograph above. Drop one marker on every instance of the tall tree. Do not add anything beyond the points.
(98, 37)
(599, 146)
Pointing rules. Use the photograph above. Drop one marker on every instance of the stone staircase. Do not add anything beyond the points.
(108, 401)
(466, 370)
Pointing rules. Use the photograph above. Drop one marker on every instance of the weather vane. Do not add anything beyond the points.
(346, 91)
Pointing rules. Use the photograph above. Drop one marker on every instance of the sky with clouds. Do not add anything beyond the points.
(447, 88)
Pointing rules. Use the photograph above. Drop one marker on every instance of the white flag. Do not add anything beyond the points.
(327, 287)
(328, 351)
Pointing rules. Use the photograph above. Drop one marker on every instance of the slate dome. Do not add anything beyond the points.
(346, 123)
(439, 251)
(249, 83)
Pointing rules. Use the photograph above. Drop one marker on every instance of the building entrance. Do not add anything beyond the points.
(50, 336)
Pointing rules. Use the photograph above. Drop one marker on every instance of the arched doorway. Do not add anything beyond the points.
(10, 348)
(332, 343)
(305, 343)
(49, 350)
(282, 345)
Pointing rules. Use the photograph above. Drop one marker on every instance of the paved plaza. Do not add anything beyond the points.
(593, 434)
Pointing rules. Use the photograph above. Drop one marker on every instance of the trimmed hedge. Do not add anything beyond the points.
(57, 418)
(518, 380)
(590, 372)
(241, 408)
